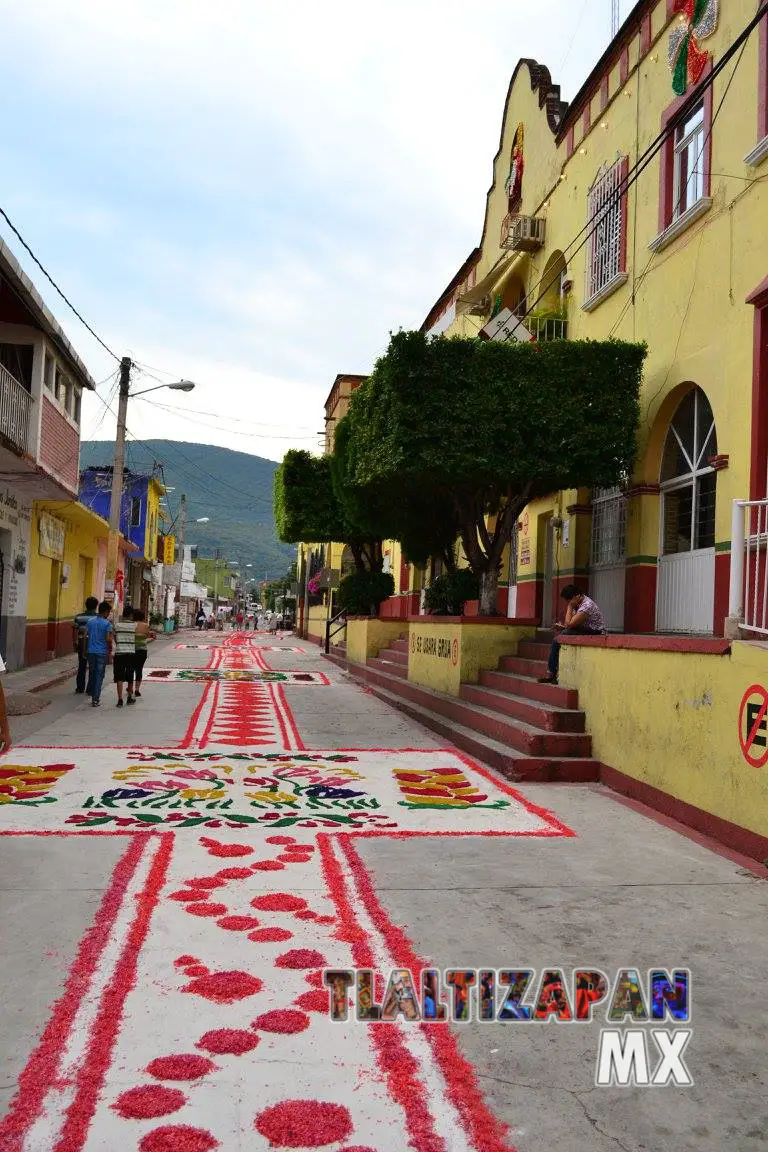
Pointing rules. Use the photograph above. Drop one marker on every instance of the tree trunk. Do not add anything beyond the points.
(489, 584)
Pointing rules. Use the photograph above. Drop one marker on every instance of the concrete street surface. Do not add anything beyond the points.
(175, 877)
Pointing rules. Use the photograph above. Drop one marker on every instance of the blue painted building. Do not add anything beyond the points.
(140, 516)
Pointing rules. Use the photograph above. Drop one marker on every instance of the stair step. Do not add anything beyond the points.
(516, 734)
(515, 766)
(388, 666)
(530, 689)
(522, 666)
(400, 645)
(534, 649)
(540, 715)
(394, 655)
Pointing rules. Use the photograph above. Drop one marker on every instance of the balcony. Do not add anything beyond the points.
(545, 328)
(15, 407)
(523, 233)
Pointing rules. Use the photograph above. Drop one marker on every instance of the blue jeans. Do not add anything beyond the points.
(553, 665)
(97, 666)
(82, 668)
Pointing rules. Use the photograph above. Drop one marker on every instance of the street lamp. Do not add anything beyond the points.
(118, 468)
(179, 386)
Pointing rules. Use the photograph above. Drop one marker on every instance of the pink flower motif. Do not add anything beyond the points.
(193, 774)
(159, 785)
(261, 781)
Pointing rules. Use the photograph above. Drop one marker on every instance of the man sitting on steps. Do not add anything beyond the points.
(582, 618)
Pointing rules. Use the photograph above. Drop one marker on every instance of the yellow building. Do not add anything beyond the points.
(68, 559)
(578, 243)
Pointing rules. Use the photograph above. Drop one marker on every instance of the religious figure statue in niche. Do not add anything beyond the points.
(514, 184)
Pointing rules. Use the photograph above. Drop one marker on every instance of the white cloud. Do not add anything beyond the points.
(253, 194)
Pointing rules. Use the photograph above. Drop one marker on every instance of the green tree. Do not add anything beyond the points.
(308, 508)
(478, 429)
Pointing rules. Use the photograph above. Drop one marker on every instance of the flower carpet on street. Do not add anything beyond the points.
(201, 675)
(195, 1016)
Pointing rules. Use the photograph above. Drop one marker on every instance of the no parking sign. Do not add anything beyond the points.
(753, 726)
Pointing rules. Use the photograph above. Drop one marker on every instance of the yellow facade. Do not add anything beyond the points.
(686, 296)
(155, 516)
(445, 655)
(673, 720)
(59, 585)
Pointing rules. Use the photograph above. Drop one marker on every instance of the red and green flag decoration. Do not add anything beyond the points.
(687, 61)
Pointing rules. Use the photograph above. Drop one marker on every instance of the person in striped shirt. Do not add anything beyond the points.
(125, 655)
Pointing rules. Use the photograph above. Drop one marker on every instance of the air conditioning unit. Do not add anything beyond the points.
(523, 233)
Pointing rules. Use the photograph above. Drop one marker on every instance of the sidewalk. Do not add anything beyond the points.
(39, 677)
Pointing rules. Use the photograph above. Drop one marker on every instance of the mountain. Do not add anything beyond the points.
(233, 489)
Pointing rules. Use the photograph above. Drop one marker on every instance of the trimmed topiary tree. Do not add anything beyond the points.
(361, 593)
(479, 429)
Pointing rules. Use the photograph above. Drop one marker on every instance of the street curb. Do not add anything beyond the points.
(60, 679)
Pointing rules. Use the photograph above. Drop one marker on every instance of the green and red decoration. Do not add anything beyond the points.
(687, 60)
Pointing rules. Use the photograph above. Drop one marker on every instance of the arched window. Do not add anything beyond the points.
(688, 481)
(347, 561)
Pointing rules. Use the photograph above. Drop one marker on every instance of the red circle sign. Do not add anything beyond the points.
(753, 726)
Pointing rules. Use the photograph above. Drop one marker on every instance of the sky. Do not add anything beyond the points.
(253, 194)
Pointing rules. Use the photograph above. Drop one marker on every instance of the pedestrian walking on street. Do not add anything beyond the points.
(582, 618)
(200, 620)
(125, 655)
(100, 634)
(79, 637)
(143, 635)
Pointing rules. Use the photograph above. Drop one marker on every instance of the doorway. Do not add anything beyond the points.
(608, 555)
(685, 598)
(54, 596)
(513, 561)
(547, 616)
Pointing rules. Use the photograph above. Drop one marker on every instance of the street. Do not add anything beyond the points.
(175, 876)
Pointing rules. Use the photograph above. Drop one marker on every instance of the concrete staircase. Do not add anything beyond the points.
(523, 729)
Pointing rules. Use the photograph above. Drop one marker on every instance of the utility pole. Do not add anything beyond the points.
(305, 621)
(182, 533)
(118, 468)
(615, 19)
(216, 583)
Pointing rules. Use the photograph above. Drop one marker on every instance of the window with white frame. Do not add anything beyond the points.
(606, 256)
(688, 177)
(688, 479)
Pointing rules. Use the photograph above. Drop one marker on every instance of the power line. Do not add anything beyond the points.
(230, 431)
(215, 415)
(50, 278)
(650, 153)
(700, 155)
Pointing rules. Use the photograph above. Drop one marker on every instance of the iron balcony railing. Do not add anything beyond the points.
(15, 407)
(748, 596)
(547, 328)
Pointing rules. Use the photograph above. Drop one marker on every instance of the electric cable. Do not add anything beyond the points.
(650, 153)
(700, 155)
(48, 277)
(180, 414)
